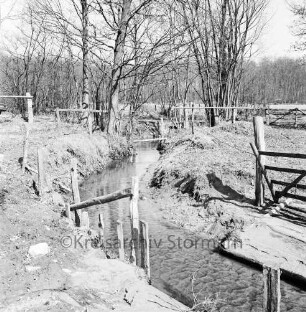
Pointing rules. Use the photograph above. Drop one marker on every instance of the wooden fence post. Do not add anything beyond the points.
(25, 147)
(192, 119)
(234, 113)
(42, 179)
(75, 189)
(89, 121)
(180, 117)
(68, 212)
(29, 108)
(161, 127)
(296, 118)
(272, 294)
(145, 247)
(58, 118)
(135, 219)
(120, 240)
(85, 220)
(186, 121)
(267, 113)
(260, 144)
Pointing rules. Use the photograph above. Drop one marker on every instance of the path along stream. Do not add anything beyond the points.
(237, 287)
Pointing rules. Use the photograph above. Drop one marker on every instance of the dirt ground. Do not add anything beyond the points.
(62, 279)
(205, 183)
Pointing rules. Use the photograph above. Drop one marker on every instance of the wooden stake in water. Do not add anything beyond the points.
(120, 240)
(272, 293)
(101, 229)
(134, 215)
(85, 220)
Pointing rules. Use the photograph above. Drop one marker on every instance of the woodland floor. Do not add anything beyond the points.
(64, 279)
(205, 183)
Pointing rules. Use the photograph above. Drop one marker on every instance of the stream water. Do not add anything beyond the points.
(237, 287)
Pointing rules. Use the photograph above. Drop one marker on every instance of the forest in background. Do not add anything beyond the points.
(112, 55)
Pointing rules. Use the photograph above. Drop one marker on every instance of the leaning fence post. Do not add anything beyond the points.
(272, 294)
(135, 219)
(29, 107)
(120, 240)
(260, 144)
(25, 147)
(75, 189)
(145, 247)
(42, 179)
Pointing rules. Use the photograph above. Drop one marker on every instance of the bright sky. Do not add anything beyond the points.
(276, 39)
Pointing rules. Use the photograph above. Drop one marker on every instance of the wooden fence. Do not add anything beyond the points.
(262, 170)
(86, 112)
(29, 106)
(284, 110)
(184, 116)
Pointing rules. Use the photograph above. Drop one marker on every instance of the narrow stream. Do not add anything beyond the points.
(236, 287)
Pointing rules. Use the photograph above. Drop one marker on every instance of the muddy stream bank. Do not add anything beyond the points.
(176, 254)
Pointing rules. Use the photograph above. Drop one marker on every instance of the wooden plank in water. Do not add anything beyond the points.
(102, 199)
(120, 240)
(150, 140)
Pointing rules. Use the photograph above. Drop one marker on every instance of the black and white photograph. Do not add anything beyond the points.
(153, 155)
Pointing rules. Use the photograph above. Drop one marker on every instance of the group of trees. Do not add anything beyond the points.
(114, 54)
(269, 81)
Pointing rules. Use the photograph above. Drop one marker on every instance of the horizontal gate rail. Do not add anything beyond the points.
(298, 186)
(288, 170)
(287, 155)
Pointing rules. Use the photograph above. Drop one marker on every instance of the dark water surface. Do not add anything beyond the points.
(173, 263)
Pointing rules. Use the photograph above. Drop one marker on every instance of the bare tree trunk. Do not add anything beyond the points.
(85, 50)
(117, 68)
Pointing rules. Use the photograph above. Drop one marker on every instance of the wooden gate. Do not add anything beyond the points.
(263, 170)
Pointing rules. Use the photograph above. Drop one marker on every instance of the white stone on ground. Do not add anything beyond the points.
(39, 250)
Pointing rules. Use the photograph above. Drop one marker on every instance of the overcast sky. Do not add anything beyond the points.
(275, 41)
